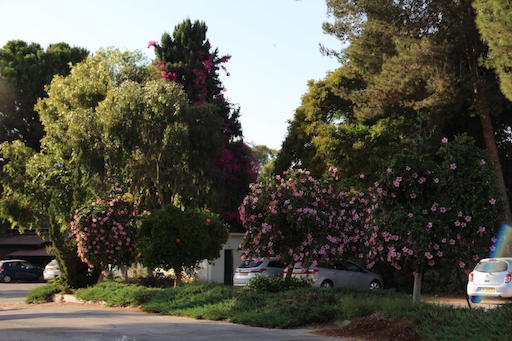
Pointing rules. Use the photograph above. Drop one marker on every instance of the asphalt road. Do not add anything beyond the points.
(88, 322)
(13, 293)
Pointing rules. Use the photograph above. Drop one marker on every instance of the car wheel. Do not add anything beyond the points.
(327, 284)
(7, 279)
(476, 299)
(375, 285)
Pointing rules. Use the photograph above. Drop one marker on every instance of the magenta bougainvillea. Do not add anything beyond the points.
(104, 232)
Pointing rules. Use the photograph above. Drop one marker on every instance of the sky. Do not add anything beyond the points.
(274, 44)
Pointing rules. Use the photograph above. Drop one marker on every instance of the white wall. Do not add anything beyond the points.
(214, 271)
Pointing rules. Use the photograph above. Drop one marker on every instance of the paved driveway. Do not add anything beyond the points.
(89, 322)
(12, 293)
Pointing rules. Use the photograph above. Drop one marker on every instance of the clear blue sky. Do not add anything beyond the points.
(274, 44)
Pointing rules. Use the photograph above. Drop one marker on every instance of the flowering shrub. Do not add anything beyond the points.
(438, 210)
(297, 218)
(421, 213)
(105, 232)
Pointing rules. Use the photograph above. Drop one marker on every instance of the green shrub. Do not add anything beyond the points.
(276, 284)
(42, 294)
(116, 294)
(288, 309)
(174, 239)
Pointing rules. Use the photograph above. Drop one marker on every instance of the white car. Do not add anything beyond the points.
(339, 274)
(51, 270)
(492, 277)
(249, 270)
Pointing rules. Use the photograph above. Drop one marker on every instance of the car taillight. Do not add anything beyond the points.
(508, 278)
(313, 271)
(470, 277)
(259, 270)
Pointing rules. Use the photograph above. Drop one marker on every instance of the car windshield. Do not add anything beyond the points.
(491, 266)
(251, 264)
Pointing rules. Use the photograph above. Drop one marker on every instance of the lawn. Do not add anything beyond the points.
(306, 306)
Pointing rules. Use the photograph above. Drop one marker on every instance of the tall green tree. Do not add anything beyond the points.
(186, 57)
(24, 71)
(494, 21)
(408, 61)
(108, 124)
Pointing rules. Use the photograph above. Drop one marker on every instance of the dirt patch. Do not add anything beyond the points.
(375, 327)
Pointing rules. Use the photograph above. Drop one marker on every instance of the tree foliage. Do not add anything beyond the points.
(24, 71)
(495, 25)
(412, 67)
(170, 238)
(186, 57)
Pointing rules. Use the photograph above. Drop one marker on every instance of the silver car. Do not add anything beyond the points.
(492, 277)
(249, 270)
(339, 274)
(51, 270)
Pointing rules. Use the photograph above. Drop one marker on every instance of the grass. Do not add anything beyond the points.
(42, 294)
(302, 306)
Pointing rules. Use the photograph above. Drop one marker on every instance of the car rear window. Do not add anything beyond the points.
(251, 264)
(492, 267)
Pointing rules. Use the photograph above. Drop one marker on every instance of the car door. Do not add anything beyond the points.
(16, 271)
(29, 271)
(343, 277)
(359, 278)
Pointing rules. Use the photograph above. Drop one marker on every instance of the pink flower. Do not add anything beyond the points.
(413, 196)
(410, 215)
(482, 162)
(389, 170)
(444, 140)
(151, 43)
(428, 255)
(453, 166)
(462, 265)
(436, 180)
(492, 201)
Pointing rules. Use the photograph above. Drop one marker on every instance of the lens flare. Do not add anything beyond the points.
(502, 245)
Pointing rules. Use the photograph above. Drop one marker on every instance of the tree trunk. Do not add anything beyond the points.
(289, 273)
(490, 142)
(178, 274)
(124, 272)
(416, 291)
(483, 110)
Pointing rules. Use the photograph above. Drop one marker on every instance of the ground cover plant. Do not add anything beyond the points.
(306, 306)
(42, 294)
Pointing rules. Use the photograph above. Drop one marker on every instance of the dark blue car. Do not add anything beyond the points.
(20, 270)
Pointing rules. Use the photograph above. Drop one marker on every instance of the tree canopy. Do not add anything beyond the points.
(24, 71)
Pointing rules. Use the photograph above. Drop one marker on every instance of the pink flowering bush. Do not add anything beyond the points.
(442, 209)
(104, 232)
(297, 218)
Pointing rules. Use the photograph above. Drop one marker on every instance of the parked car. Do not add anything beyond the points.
(20, 270)
(249, 270)
(492, 277)
(339, 274)
(51, 270)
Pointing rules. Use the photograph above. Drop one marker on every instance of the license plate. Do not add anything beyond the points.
(487, 289)
(244, 273)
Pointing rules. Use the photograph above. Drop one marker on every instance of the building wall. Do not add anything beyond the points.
(214, 271)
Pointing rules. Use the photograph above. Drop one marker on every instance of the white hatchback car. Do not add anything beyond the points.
(492, 277)
(51, 270)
